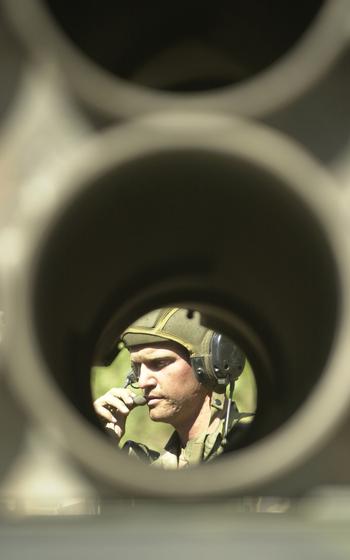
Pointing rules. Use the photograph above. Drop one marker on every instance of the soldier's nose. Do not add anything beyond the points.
(146, 378)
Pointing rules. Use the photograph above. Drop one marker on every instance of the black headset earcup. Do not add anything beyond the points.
(227, 359)
(224, 363)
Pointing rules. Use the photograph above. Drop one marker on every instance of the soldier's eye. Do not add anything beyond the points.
(161, 363)
(136, 367)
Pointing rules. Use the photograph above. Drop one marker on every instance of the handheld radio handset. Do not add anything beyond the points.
(139, 400)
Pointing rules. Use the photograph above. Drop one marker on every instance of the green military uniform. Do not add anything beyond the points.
(205, 447)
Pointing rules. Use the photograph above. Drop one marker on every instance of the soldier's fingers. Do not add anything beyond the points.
(123, 394)
(113, 403)
(105, 413)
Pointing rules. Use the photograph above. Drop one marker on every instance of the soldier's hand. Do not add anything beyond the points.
(113, 409)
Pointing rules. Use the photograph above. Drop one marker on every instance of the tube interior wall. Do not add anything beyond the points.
(243, 238)
(184, 46)
(11, 61)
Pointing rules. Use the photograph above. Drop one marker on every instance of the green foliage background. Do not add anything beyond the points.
(139, 426)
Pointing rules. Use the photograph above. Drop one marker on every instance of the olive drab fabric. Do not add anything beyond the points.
(175, 324)
(206, 447)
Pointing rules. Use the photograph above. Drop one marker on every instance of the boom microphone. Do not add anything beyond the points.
(139, 400)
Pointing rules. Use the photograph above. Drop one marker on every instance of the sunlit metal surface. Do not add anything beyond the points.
(64, 121)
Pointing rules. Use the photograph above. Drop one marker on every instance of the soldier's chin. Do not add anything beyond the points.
(158, 413)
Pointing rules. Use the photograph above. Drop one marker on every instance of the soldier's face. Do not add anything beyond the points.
(173, 393)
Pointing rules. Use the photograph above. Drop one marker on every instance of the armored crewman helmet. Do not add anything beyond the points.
(215, 359)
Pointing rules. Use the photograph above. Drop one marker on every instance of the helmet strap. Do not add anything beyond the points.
(228, 409)
(217, 404)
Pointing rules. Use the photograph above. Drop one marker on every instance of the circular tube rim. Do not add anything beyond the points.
(273, 88)
(232, 475)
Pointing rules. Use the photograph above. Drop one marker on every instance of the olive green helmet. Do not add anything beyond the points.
(215, 359)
